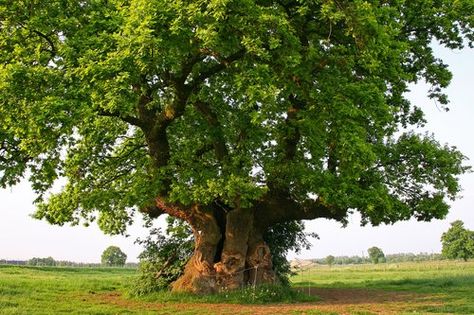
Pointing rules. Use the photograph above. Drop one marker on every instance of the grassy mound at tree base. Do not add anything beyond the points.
(260, 295)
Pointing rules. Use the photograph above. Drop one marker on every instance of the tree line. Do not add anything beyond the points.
(457, 243)
(391, 258)
(112, 256)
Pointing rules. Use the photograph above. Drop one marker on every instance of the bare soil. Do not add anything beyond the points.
(333, 301)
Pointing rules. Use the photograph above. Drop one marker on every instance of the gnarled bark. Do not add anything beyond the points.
(230, 252)
(231, 267)
(199, 273)
(259, 260)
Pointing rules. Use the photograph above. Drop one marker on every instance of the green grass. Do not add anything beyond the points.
(260, 295)
(451, 281)
(54, 290)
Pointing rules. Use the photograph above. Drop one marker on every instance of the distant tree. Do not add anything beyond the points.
(47, 261)
(113, 256)
(376, 255)
(458, 242)
(330, 260)
(36, 261)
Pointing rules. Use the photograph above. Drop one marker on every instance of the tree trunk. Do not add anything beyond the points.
(199, 273)
(230, 253)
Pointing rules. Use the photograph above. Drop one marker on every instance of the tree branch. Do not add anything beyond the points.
(219, 143)
(221, 65)
(128, 119)
(53, 50)
(278, 207)
(187, 67)
(293, 137)
(152, 211)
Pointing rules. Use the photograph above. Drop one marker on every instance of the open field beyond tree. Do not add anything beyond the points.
(441, 287)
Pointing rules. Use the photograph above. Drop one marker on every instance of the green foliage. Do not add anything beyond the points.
(391, 258)
(113, 256)
(376, 255)
(330, 259)
(84, 86)
(458, 242)
(36, 261)
(164, 257)
(282, 238)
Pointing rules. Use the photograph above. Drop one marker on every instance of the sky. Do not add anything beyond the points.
(22, 237)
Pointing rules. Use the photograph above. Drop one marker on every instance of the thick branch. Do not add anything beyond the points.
(128, 119)
(222, 64)
(188, 66)
(152, 211)
(288, 142)
(173, 209)
(219, 143)
(52, 51)
(280, 207)
(293, 137)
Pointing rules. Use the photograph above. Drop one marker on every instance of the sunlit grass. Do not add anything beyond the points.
(53, 290)
(451, 281)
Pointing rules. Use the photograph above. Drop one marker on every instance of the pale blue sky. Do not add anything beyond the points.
(22, 237)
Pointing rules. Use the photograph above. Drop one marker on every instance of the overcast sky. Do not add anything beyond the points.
(22, 237)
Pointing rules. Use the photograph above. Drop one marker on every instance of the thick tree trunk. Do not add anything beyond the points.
(259, 259)
(230, 252)
(199, 273)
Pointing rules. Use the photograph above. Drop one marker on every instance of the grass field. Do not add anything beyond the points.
(406, 288)
(445, 287)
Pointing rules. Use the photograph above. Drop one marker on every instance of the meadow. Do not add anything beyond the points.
(438, 287)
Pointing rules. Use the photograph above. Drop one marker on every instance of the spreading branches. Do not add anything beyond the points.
(187, 67)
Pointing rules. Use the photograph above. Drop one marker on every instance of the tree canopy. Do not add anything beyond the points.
(113, 256)
(458, 242)
(330, 259)
(267, 111)
(376, 255)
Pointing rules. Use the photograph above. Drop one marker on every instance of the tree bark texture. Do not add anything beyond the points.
(229, 253)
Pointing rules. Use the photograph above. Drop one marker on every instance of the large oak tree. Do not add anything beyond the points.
(233, 115)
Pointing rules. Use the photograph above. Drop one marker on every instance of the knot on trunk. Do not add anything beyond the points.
(230, 263)
(201, 265)
(230, 271)
(260, 255)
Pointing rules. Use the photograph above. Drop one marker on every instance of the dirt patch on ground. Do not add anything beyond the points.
(357, 296)
(334, 301)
